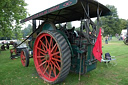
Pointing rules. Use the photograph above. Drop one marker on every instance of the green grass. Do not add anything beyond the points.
(13, 73)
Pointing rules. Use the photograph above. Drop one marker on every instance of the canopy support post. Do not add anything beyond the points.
(33, 25)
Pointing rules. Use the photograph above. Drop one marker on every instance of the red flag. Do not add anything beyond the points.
(97, 50)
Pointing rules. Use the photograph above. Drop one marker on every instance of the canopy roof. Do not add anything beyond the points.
(70, 10)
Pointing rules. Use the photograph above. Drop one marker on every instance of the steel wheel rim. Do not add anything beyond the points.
(47, 57)
(23, 58)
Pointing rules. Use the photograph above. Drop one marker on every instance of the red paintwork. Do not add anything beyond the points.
(23, 59)
(47, 57)
(67, 3)
(11, 50)
(97, 50)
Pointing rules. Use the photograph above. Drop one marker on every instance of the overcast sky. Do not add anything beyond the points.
(35, 6)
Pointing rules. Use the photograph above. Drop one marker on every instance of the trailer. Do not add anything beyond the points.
(57, 50)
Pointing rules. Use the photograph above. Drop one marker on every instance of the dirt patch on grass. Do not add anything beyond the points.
(111, 44)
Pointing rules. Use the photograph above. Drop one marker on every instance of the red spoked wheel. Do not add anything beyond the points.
(15, 51)
(24, 55)
(52, 56)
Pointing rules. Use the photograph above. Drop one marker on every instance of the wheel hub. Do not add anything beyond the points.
(46, 57)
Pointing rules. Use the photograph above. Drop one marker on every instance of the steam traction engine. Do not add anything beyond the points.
(58, 50)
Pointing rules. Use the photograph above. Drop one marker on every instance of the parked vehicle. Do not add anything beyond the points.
(56, 51)
(126, 37)
(123, 34)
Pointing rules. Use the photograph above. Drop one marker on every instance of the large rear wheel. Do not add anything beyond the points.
(52, 56)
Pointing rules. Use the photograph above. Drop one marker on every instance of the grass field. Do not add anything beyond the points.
(13, 73)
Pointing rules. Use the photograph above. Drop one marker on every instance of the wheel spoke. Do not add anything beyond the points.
(42, 53)
(45, 65)
(56, 56)
(47, 43)
(23, 57)
(55, 53)
(54, 71)
(55, 65)
(56, 59)
(41, 49)
(42, 60)
(53, 48)
(40, 56)
(50, 71)
(43, 45)
(41, 64)
(23, 54)
(46, 68)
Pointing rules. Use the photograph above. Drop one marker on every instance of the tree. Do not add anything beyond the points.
(69, 25)
(27, 31)
(111, 24)
(11, 12)
(123, 24)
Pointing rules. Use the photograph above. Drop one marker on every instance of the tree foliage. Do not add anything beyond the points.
(27, 31)
(123, 24)
(69, 25)
(11, 12)
(111, 24)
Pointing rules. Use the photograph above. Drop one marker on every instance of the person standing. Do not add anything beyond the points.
(106, 39)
